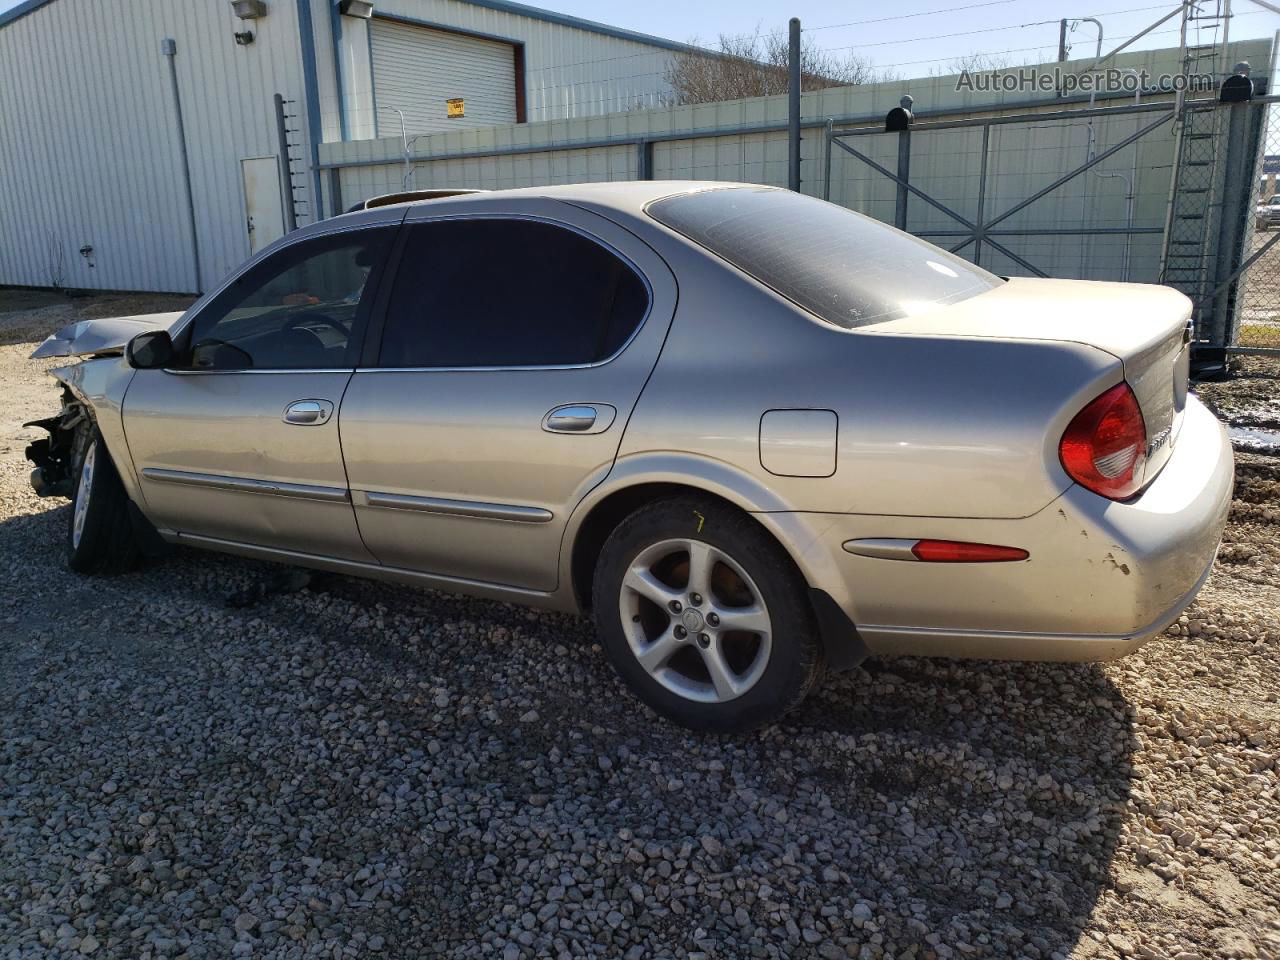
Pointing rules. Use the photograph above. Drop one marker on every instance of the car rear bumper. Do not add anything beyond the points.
(1101, 579)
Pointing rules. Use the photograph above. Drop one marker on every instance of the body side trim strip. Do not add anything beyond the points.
(456, 508)
(213, 481)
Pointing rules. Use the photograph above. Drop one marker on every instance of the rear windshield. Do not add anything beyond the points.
(848, 269)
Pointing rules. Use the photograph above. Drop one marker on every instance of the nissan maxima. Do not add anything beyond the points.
(753, 434)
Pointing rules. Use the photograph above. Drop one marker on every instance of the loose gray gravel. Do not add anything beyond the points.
(379, 771)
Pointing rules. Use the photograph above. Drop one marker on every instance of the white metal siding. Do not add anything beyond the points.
(88, 148)
(416, 70)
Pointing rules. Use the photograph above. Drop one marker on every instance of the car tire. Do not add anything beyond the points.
(712, 678)
(100, 534)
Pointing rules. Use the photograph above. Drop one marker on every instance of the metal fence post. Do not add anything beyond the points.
(644, 160)
(286, 168)
(793, 107)
(899, 119)
(904, 172)
(826, 166)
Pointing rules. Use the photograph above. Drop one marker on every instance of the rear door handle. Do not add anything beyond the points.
(579, 418)
(308, 412)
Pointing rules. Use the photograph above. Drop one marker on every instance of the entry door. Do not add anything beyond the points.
(512, 355)
(239, 441)
(263, 204)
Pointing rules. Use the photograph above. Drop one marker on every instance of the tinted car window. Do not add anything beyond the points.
(848, 269)
(295, 309)
(497, 293)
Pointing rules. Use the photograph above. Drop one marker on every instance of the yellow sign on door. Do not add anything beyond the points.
(456, 108)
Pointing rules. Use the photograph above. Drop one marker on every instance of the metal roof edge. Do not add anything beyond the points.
(503, 6)
(593, 26)
(21, 10)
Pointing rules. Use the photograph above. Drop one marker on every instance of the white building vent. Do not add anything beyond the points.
(420, 70)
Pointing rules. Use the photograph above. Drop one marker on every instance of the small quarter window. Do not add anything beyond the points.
(508, 293)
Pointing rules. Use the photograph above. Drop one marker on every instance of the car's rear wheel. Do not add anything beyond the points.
(704, 616)
(100, 534)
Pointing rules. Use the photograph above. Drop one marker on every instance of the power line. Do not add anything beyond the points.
(908, 16)
(1014, 26)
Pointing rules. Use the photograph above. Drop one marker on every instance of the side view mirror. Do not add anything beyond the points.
(150, 351)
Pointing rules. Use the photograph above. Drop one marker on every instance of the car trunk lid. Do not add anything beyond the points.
(1145, 326)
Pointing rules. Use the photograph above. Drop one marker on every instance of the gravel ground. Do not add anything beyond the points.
(376, 770)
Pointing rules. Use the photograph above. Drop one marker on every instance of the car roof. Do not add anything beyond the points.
(628, 196)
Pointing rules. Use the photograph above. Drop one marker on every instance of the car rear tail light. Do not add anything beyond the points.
(1105, 447)
(955, 551)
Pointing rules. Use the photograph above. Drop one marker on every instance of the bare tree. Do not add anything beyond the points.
(974, 63)
(756, 66)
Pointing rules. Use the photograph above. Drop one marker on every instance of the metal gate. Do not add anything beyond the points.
(1183, 216)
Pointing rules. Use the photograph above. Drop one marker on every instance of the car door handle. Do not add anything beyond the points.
(308, 412)
(579, 418)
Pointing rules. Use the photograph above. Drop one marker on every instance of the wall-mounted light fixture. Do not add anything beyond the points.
(356, 8)
(247, 10)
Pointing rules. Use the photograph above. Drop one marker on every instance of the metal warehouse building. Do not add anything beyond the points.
(154, 144)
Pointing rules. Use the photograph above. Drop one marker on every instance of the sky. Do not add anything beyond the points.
(910, 37)
(916, 37)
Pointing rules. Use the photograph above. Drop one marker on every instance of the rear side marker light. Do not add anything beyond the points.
(956, 551)
(1104, 448)
(934, 551)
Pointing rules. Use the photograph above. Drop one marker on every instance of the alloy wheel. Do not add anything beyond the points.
(82, 494)
(695, 620)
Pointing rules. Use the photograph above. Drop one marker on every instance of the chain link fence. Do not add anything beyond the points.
(1259, 318)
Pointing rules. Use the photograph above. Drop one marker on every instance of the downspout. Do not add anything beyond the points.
(169, 47)
(335, 32)
(307, 39)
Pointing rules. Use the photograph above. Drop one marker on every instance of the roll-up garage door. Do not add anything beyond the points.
(418, 70)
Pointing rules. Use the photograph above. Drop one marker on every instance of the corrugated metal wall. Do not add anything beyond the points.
(1022, 158)
(89, 153)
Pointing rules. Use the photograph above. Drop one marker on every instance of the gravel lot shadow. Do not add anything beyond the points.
(380, 768)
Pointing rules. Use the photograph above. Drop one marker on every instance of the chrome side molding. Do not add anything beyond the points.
(455, 508)
(300, 491)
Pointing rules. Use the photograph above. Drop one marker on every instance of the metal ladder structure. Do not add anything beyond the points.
(1194, 185)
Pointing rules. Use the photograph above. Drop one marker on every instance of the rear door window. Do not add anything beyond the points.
(848, 269)
(508, 293)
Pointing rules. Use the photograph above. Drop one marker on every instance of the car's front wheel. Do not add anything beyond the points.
(100, 534)
(704, 616)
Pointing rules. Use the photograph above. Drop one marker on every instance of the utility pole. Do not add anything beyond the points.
(1062, 41)
(793, 108)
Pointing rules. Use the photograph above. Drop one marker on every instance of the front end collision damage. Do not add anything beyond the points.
(105, 337)
(91, 394)
(55, 456)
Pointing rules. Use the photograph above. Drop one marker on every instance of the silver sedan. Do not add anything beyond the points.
(754, 434)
